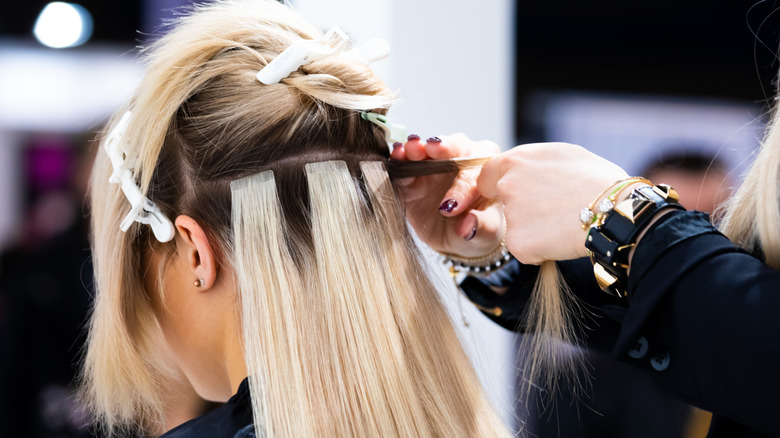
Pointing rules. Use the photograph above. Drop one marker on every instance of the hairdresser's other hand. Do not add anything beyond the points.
(445, 210)
(543, 187)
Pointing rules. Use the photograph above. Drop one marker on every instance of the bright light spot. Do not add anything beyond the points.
(63, 25)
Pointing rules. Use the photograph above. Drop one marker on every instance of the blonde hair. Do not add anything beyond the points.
(343, 333)
(751, 217)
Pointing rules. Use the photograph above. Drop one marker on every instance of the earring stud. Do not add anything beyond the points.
(199, 282)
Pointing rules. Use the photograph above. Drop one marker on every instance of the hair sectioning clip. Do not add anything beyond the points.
(332, 43)
(142, 209)
(303, 52)
(394, 131)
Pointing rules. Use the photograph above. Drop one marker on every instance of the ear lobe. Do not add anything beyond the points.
(194, 249)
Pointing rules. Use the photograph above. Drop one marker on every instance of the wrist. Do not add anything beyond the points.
(611, 239)
(595, 212)
(490, 255)
(480, 265)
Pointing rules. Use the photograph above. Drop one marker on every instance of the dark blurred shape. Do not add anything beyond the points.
(622, 402)
(692, 48)
(45, 295)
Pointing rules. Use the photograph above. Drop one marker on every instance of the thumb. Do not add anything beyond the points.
(487, 181)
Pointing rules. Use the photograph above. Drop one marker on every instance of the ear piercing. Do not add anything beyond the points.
(199, 282)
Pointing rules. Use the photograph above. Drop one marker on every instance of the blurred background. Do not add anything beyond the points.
(674, 89)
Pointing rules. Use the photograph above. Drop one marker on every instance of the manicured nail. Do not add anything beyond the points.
(433, 140)
(397, 145)
(412, 137)
(448, 205)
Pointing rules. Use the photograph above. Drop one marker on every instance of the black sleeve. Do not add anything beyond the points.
(708, 317)
(703, 318)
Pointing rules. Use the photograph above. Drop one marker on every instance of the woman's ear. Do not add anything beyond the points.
(195, 252)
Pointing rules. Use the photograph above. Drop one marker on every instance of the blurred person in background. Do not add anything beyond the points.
(700, 178)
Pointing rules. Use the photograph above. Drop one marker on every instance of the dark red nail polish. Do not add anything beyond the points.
(471, 235)
(397, 145)
(412, 137)
(433, 140)
(448, 205)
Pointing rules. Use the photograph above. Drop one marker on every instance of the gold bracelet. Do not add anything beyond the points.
(588, 217)
(606, 205)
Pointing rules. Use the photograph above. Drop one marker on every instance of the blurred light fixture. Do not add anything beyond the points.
(62, 25)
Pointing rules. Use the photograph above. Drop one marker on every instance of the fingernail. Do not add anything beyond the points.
(474, 224)
(412, 137)
(433, 140)
(448, 205)
(397, 145)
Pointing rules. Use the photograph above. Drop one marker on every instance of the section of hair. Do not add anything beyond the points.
(443, 376)
(549, 358)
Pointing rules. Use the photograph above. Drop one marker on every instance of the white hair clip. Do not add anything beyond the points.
(142, 209)
(306, 51)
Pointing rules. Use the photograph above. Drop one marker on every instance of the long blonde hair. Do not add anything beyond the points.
(751, 217)
(343, 333)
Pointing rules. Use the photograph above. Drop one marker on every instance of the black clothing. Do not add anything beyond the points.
(231, 420)
(45, 296)
(703, 319)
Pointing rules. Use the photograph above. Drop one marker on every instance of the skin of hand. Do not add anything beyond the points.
(543, 187)
(446, 211)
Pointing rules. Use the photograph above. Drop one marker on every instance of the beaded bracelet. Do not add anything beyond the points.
(479, 266)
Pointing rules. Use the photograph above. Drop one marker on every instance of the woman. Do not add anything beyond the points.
(265, 248)
(697, 312)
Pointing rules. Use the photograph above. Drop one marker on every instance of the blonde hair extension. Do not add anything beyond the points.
(273, 312)
(365, 348)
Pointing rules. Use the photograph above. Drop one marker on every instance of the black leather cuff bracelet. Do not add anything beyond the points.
(610, 243)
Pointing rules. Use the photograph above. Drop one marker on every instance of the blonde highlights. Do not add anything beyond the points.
(385, 359)
(342, 332)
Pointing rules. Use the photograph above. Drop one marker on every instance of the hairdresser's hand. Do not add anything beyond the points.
(543, 187)
(446, 211)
